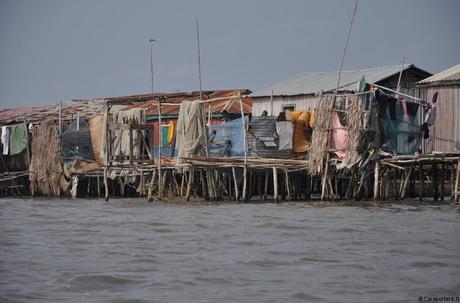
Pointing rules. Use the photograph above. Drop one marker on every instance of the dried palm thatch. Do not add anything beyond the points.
(45, 168)
(354, 117)
(321, 134)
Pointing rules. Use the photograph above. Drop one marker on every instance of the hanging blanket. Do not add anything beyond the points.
(19, 138)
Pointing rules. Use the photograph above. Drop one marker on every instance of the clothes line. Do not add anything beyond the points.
(233, 97)
(417, 100)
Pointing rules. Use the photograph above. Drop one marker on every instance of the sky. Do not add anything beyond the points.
(53, 50)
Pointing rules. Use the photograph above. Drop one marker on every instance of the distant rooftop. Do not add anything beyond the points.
(450, 74)
(310, 83)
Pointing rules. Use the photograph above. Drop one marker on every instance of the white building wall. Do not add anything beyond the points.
(302, 102)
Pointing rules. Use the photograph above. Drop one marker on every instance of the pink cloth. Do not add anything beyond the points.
(339, 137)
(404, 108)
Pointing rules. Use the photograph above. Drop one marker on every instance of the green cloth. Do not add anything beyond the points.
(19, 138)
(164, 135)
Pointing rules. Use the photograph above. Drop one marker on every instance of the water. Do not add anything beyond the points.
(132, 251)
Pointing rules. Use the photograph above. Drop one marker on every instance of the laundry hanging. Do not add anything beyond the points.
(339, 137)
(5, 140)
(285, 131)
(19, 138)
(171, 132)
(301, 120)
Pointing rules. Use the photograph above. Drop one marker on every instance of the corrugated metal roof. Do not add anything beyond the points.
(310, 83)
(450, 74)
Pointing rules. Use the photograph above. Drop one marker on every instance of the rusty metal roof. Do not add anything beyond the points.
(93, 107)
(229, 103)
(85, 108)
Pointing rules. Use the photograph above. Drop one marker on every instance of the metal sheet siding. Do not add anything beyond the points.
(446, 130)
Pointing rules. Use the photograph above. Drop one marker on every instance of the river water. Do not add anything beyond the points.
(133, 251)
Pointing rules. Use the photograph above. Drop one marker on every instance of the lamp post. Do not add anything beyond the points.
(152, 41)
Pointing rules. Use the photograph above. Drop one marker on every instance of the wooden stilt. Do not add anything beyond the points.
(457, 181)
(452, 182)
(98, 186)
(267, 175)
(189, 185)
(406, 181)
(235, 184)
(275, 185)
(203, 185)
(182, 184)
(434, 172)
(245, 181)
(420, 182)
(376, 179)
(106, 185)
(288, 189)
(442, 182)
(323, 188)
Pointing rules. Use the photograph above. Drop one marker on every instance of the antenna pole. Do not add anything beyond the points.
(398, 87)
(346, 45)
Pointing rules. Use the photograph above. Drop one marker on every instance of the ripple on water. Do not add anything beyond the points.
(99, 282)
(307, 298)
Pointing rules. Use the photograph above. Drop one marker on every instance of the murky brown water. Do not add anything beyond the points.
(131, 251)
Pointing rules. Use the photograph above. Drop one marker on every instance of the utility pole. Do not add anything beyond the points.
(152, 41)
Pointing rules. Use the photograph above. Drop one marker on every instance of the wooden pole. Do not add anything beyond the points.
(27, 146)
(267, 175)
(245, 149)
(189, 185)
(271, 104)
(376, 179)
(457, 180)
(98, 186)
(288, 189)
(420, 182)
(275, 184)
(131, 143)
(235, 184)
(324, 181)
(107, 153)
(160, 190)
(434, 171)
(60, 118)
(406, 181)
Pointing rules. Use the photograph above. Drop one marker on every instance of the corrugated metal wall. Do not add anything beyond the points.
(446, 130)
(259, 104)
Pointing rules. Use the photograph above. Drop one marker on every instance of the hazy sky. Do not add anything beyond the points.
(54, 50)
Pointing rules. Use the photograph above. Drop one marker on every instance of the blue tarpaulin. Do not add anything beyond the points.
(231, 132)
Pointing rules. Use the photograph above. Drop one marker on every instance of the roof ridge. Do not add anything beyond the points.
(357, 70)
